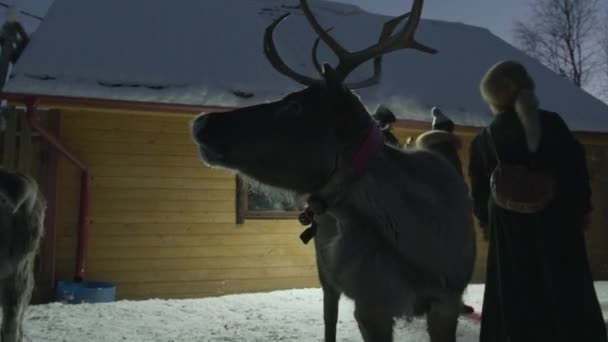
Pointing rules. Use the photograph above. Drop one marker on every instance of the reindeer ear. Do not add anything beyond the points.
(332, 81)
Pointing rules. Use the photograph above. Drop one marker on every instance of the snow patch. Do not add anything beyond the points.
(291, 315)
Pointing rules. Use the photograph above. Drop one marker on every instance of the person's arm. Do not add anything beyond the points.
(480, 184)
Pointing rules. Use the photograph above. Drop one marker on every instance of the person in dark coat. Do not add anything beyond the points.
(384, 117)
(441, 139)
(539, 286)
(442, 122)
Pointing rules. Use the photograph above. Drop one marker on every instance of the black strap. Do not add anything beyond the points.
(493, 145)
(309, 233)
(532, 162)
(307, 218)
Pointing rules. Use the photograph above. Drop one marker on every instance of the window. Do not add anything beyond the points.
(255, 204)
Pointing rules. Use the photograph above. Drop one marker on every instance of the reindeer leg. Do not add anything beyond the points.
(331, 298)
(374, 326)
(16, 295)
(442, 320)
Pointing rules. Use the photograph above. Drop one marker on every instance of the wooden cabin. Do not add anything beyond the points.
(112, 89)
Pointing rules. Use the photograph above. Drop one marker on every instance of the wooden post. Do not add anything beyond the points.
(9, 139)
(242, 192)
(25, 155)
(45, 273)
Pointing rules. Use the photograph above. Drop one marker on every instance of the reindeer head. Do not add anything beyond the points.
(298, 142)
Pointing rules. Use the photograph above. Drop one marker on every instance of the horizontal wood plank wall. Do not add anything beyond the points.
(161, 223)
(596, 147)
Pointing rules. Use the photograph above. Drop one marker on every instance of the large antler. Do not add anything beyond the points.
(270, 50)
(349, 61)
(387, 30)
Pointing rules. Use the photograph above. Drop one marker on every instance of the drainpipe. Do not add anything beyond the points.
(85, 185)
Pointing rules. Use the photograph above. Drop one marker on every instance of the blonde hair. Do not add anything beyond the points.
(508, 86)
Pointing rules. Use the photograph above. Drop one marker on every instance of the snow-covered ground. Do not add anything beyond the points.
(293, 315)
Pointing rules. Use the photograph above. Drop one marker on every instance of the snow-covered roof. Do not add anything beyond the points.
(203, 52)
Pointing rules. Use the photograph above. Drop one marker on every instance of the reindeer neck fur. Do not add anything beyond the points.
(350, 167)
(347, 189)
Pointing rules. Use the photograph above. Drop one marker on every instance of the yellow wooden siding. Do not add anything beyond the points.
(161, 223)
(596, 146)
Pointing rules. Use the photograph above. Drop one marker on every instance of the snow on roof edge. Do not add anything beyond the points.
(209, 86)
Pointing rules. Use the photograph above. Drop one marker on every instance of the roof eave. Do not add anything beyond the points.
(66, 102)
(79, 102)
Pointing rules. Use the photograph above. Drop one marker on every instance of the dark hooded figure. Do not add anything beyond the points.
(385, 117)
(442, 139)
(539, 285)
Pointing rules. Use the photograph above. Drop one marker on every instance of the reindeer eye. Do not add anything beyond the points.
(291, 108)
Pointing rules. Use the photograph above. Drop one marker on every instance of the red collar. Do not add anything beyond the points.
(317, 202)
(368, 149)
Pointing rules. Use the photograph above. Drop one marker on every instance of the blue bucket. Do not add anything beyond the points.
(85, 292)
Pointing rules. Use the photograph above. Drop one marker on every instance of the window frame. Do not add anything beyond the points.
(242, 207)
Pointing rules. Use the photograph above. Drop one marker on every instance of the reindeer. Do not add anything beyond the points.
(22, 210)
(394, 228)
